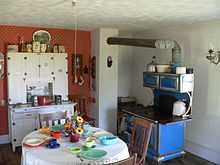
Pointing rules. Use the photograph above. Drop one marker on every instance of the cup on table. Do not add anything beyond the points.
(87, 130)
(89, 143)
(52, 143)
(86, 127)
(56, 134)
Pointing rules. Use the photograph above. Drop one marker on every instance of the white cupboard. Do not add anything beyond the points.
(27, 68)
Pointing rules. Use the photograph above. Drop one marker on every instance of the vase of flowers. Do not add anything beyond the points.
(76, 127)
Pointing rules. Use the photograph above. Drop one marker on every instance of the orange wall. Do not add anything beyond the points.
(10, 34)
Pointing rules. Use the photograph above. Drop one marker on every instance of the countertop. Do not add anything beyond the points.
(151, 113)
(28, 108)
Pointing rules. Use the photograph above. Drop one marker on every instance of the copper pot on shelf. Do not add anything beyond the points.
(44, 100)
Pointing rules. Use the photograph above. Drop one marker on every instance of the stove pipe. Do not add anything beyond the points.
(150, 43)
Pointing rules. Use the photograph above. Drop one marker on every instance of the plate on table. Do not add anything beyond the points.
(93, 154)
(75, 150)
(34, 142)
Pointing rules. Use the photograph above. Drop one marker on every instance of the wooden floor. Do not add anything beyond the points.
(7, 157)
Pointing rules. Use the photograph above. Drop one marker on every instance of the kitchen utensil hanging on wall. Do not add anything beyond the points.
(78, 69)
(2, 65)
(93, 67)
(93, 72)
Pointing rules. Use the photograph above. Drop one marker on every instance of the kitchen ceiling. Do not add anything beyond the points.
(130, 15)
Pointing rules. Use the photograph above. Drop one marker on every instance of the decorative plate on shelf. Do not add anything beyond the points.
(42, 36)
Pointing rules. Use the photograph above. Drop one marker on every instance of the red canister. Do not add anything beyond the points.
(44, 100)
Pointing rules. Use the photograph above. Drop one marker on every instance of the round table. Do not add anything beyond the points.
(44, 156)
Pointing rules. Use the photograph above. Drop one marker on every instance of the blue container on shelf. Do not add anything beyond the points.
(173, 67)
(108, 140)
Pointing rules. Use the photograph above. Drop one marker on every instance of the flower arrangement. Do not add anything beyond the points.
(74, 126)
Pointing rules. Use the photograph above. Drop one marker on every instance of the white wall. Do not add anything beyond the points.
(95, 93)
(202, 134)
(125, 67)
(105, 108)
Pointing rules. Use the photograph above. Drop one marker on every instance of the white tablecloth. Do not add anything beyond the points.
(62, 156)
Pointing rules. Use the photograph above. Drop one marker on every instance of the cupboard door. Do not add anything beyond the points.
(15, 64)
(151, 80)
(23, 127)
(16, 89)
(61, 76)
(32, 67)
(171, 138)
(46, 67)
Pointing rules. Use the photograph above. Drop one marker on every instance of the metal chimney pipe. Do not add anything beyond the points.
(150, 43)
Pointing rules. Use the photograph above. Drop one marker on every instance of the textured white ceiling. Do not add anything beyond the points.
(132, 15)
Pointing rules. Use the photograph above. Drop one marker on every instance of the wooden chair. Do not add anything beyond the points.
(140, 139)
(53, 118)
(120, 116)
(129, 161)
(81, 107)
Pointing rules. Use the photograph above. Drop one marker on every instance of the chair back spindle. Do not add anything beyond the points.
(140, 139)
(50, 119)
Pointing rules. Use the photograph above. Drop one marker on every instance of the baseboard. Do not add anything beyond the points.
(202, 151)
(4, 139)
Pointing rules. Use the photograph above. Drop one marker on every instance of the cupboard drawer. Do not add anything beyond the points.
(24, 115)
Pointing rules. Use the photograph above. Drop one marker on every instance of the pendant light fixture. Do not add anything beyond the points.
(77, 79)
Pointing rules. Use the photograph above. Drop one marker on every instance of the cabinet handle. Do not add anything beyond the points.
(25, 58)
(35, 129)
(52, 73)
(9, 58)
(14, 140)
(28, 114)
(13, 123)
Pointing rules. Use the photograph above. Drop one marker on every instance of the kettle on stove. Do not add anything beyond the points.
(179, 108)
